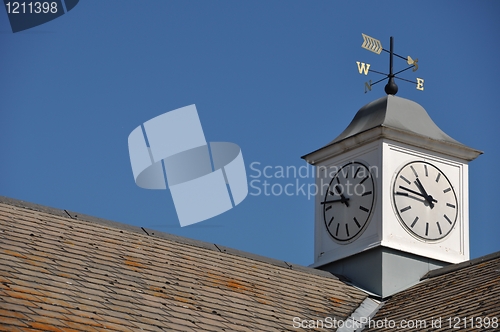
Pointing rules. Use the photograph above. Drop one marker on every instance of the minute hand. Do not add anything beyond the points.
(412, 191)
(335, 201)
(415, 193)
(427, 197)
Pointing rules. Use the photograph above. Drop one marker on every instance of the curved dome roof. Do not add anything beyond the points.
(397, 113)
(398, 119)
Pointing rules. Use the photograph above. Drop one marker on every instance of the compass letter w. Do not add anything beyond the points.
(363, 67)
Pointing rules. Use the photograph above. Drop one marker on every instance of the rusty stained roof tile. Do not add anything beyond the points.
(92, 275)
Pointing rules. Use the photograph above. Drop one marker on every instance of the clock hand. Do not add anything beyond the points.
(343, 199)
(415, 193)
(422, 189)
(427, 197)
(335, 201)
(420, 197)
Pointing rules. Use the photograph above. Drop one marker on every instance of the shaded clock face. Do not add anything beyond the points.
(424, 201)
(348, 202)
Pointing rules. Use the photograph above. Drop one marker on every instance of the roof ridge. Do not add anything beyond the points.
(162, 235)
(459, 266)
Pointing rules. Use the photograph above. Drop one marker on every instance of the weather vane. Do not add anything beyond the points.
(375, 46)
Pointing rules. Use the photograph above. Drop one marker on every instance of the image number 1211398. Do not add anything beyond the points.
(37, 7)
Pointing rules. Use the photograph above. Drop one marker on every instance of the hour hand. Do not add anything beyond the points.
(427, 197)
(343, 199)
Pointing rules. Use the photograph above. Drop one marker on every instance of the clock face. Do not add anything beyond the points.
(425, 201)
(348, 202)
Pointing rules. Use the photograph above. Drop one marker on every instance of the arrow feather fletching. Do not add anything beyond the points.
(371, 44)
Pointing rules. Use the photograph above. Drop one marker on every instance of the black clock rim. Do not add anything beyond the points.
(401, 221)
(361, 230)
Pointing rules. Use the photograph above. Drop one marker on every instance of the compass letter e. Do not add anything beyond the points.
(420, 84)
(363, 67)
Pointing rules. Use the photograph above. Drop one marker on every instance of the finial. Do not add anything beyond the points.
(391, 88)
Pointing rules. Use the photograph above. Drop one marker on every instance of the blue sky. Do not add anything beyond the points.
(278, 78)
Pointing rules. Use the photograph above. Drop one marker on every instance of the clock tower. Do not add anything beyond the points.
(392, 200)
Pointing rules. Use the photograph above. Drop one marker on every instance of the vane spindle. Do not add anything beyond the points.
(391, 87)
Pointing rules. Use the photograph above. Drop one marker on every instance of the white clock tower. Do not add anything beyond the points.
(392, 202)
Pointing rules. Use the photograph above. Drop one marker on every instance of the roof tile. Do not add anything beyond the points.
(48, 313)
(107, 325)
(79, 326)
(10, 328)
(13, 321)
(44, 319)
(39, 326)
(23, 306)
(9, 312)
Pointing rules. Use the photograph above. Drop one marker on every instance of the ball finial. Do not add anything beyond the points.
(391, 88)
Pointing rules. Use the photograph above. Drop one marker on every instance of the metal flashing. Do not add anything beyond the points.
(358, 319)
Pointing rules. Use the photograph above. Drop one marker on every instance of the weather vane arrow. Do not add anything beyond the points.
(371, 44)
(374, 45)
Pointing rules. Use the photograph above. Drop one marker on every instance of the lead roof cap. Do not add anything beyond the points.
(398, 115)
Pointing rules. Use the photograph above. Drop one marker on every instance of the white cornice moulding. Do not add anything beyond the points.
(447, 148)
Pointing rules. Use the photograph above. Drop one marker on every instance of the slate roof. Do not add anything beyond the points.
(452, 294)
(62, 271)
